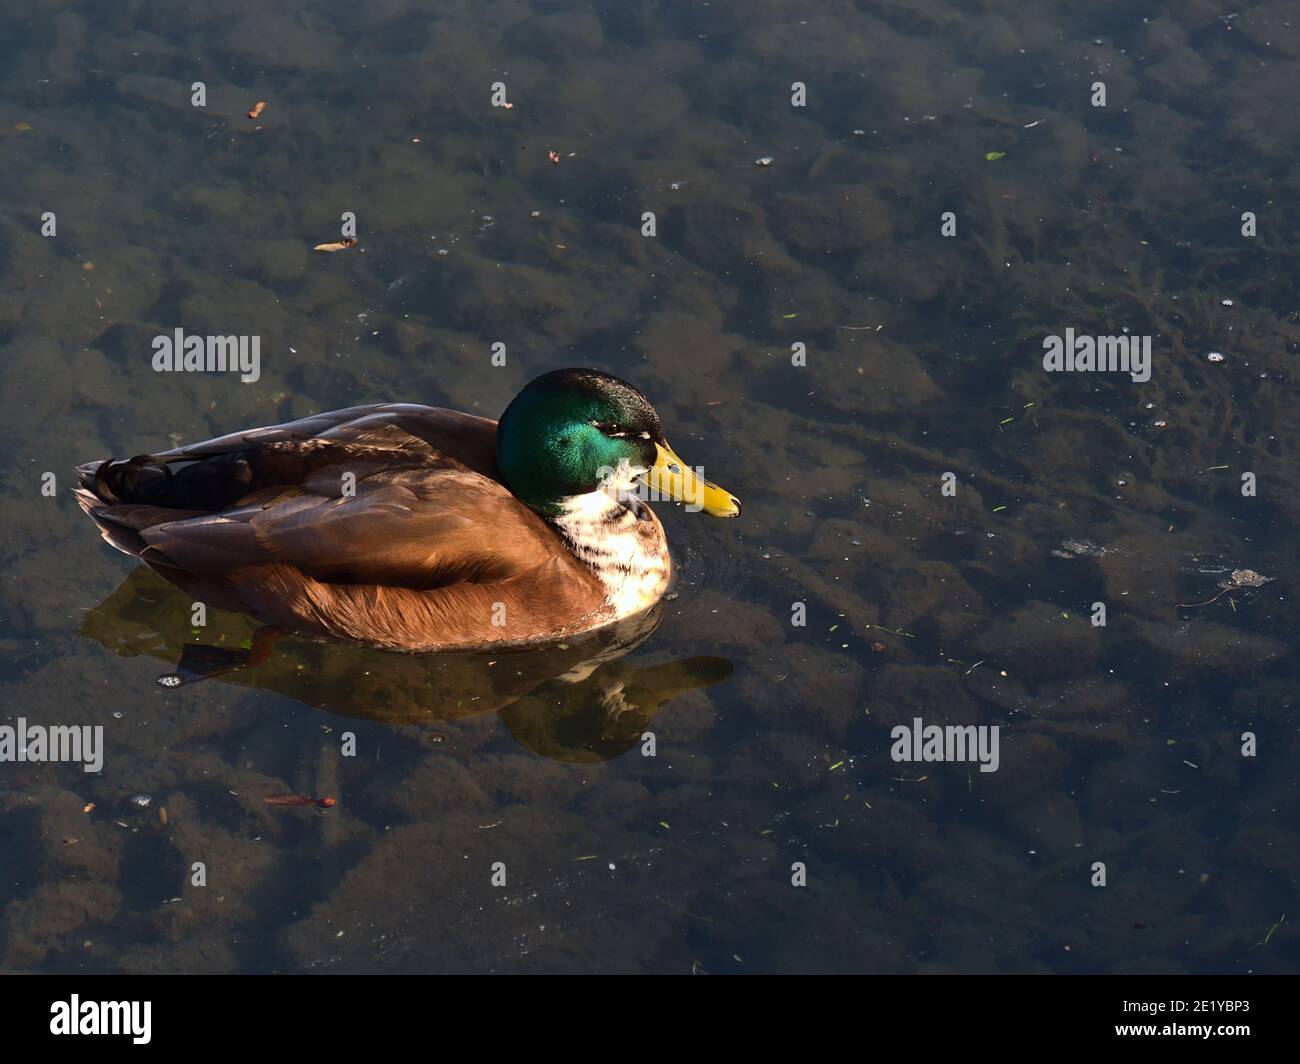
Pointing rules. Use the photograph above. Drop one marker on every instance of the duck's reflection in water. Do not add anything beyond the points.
(569, 701)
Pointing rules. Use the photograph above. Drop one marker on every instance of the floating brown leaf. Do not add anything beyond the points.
(257, 109)
(338, 245)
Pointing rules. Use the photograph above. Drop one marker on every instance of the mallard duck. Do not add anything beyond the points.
(416, 528)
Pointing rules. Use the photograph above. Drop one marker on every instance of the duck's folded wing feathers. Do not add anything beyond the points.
(418, 558)
(402, 528)
(414, 432)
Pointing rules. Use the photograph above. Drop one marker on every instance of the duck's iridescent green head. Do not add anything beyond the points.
(575, 431)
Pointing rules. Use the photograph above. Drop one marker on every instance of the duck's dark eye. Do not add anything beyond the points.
(609, 428)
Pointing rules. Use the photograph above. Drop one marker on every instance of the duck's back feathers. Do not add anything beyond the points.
(382, 524)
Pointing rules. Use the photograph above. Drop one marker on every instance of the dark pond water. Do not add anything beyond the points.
(1119, 745)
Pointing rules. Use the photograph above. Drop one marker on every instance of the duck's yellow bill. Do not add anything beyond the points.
(671, 478)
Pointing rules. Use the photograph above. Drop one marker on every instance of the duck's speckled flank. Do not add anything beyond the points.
(620, 538)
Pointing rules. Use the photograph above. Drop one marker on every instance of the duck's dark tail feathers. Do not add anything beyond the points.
(126, 495)
(142, 479)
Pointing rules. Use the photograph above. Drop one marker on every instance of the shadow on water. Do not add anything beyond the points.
(574, 701)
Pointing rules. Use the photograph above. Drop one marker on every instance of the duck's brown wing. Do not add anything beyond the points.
(216, 473)
(414, 431)
(383, 525)
(124, 496)
(418, 558)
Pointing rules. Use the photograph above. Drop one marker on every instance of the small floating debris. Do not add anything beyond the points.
(994, 156)
(300, 800)
(1280, 921)
(257, 109)
(554, 156)
(765, 160)
(140, 801)
(22, 127)
(1245, 578)
(1226, 302)
(1214, 356)
(337, 245)
(1078, 548)
(1236, 580)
